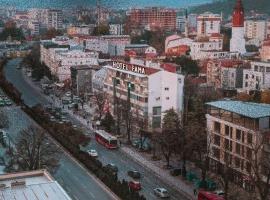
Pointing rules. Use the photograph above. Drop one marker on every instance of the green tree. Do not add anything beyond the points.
(188, 66)
(102, 29)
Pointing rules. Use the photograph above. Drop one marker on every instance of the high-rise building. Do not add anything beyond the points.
(54, 19)
(237, 42)
(208, 24)
(153, 18)
(256, 29)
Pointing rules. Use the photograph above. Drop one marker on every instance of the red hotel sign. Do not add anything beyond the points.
(129, 67)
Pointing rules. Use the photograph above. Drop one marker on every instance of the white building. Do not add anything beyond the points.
(256, 29)
(30, 185)
(34, 27)
(80, 30)
(54, 19)
(238, 42)
(205, 44)
(208, 23)
(153, 90)
(116, 29)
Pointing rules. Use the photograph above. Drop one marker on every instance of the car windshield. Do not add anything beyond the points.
(113, 142)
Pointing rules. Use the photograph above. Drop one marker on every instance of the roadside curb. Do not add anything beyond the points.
(188, 196)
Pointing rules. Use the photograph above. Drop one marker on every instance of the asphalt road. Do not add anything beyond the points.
(149, 181)
(78, 183)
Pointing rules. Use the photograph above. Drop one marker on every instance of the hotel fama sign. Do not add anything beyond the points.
(128, 67)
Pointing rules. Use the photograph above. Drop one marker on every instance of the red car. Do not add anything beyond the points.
(134, 185)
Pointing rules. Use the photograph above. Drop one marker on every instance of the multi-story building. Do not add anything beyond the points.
(265, 51)
(34, 27)
(258, 77)
(208, 24)
(256, 29)
(59, 58)
(37, 184)
(176, 45)
(116, 29)
(153, 90)
(224, 74)
(202, 44)
(113, 45)
(153, 18)
(234, 131)
(81, 79)
(181, 23)
(54, 19)
(80, 30)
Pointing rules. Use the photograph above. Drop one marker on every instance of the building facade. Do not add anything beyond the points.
(234, 130)
(256, 29)
(153, 18)
(152, 90)
(208, 24)
(265, 51)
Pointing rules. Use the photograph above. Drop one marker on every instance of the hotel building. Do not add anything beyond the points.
(153, 90)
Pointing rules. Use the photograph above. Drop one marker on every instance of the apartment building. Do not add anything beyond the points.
(256, 29)
(234, 129)
(265, 51)
(153, 18)
(204, 44)
(153, 90)
(208, 24)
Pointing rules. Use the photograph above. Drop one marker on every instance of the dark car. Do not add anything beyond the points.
(134, 174)
(112, 167)
(175, 172)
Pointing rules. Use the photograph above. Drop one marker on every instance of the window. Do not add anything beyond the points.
(227, 144)
(248, 167)
(237, 162)
(216, 152)
(238, 134)
(167, 98)
(158, 98)
(157, 110)
(246, 76)
(227, 130)
(243, 137)
(217, 127)
(237, 148)
(249, 138)
(166, 88)
(246, 84)
(217, 140)
(249, 153)
(156, 122)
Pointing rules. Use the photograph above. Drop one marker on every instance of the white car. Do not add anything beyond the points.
(92, 153)
(161, 192)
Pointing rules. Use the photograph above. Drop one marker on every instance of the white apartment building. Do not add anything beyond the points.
(208, 23)
(54, 19)
(116, 29)
(34, 27)
(265, 51)
(256, 29)
(113, 45)
(204, 44)
(153, 90)
(59, 58)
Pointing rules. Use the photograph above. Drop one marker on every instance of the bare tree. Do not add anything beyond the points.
(259, 165)
(99, 100)
(4, 123)
(33, 151)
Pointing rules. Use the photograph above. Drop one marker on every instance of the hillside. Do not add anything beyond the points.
(226, 6)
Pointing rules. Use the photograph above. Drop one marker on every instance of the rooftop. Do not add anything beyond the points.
(31, 186)
(247, 109)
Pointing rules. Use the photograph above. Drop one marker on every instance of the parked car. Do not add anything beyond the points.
(134, 185)
(175, 172)
(134, 174)
(143, 144)
(92, 152)
(219, 192)
(161, 192)
(112, 167)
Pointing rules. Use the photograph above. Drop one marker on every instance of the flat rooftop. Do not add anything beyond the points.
(247, 109)
(31, 185)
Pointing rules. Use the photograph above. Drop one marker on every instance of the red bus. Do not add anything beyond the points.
(204, 195)
(106, 139)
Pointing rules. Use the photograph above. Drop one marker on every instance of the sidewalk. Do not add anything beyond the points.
(177, 183)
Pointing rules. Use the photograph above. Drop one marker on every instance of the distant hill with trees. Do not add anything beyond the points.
(226, 6)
